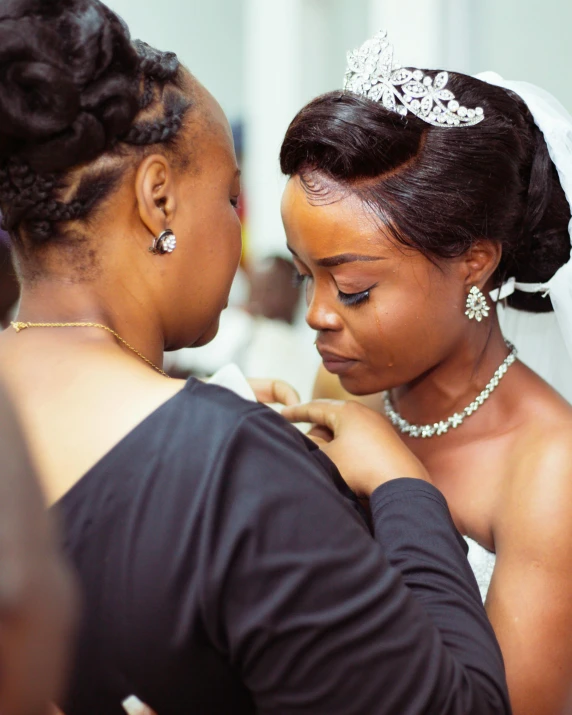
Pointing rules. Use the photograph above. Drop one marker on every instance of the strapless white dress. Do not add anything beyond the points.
(482, 562)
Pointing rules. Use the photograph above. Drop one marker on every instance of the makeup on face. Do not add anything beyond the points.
(351, 275)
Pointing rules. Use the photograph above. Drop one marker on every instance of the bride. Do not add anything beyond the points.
(417, 200)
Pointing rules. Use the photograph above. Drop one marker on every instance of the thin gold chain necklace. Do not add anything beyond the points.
(21, 326)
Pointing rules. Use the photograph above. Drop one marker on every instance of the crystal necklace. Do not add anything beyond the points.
(22, 326)
(456, 420)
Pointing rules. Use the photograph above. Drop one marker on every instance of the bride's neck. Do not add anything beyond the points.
(450, 386)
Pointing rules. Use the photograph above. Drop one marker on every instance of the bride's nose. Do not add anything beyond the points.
(322, 313)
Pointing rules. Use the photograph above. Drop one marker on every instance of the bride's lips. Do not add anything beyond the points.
(336, 364)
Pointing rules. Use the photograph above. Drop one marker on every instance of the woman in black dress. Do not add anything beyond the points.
(224, 565)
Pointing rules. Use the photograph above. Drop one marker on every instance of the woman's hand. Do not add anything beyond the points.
(274, 391)
(361, 443)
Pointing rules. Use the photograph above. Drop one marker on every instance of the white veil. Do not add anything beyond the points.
(544, 340)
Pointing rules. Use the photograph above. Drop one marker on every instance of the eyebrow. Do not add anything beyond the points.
(342, 258)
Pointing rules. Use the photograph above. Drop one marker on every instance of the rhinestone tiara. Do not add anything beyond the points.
(373, 73)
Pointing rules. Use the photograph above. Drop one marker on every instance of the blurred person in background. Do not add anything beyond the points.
(224, 564)
(274, 290)
(280, 346)
(413, 197)
(37, 604)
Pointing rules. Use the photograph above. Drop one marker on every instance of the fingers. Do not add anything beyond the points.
(319, 412)
(318, 441)
(274, 391)
(284, 393)
(320, 435)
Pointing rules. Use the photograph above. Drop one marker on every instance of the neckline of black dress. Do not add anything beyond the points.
(118, 447)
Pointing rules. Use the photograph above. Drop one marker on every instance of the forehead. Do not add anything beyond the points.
(209, 129)
(328, 222)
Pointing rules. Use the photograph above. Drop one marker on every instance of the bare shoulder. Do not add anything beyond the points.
(538, 417)
(537, 498)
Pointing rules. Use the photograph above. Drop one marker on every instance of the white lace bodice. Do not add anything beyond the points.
(482, 562)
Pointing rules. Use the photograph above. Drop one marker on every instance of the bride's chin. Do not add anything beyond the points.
(358, 385)
(361, 383)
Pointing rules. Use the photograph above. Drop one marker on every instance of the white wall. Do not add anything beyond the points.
(521, 39)
(526, 40)
(294, 51)
(207, 35)
(415, 29)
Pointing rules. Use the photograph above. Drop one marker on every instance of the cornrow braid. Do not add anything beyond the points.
(147, 95)
(162, 66)
(37, 208)
(25, 194)
(42, 216)
(159, 130)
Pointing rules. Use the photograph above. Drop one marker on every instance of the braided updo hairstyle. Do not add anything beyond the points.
(439, 190)
(73, 86)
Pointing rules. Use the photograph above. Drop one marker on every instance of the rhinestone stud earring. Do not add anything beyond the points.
(165, 242)
(477, 307)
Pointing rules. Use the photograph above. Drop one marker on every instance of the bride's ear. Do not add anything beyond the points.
(480, 262)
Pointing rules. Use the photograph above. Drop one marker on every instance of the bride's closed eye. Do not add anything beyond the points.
(348, 299)
(354, 299)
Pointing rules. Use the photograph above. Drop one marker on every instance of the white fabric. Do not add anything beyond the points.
(540, 346)
(483, 563)
(509, 286)
(555, 123)
(231, 377)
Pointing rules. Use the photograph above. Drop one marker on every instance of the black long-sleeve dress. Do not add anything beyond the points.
(224, 573)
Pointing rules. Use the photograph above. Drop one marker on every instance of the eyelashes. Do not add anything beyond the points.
(298, 279)
(354, 299)
(348, 299)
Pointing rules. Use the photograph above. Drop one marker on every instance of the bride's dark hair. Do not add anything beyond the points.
(441, 189)
(73, 86)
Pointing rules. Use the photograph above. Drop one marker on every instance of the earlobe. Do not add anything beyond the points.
(154, 191)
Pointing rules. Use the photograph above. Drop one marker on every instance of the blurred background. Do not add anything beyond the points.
(262, 60)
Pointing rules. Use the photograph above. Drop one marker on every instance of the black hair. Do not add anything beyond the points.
(438, 189)
(74, 86)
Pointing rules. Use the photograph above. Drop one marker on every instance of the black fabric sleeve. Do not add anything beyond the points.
(461, 662)
(314, 614)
